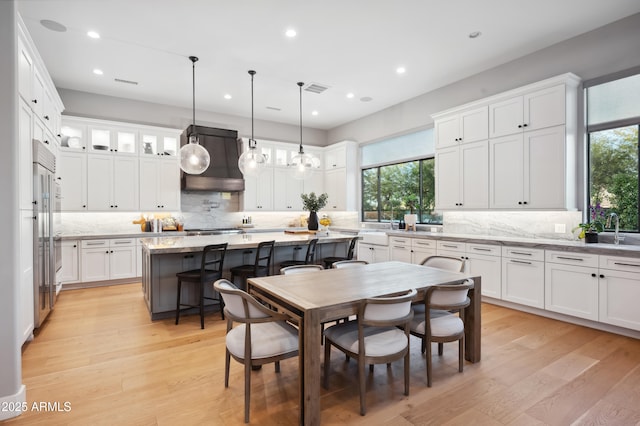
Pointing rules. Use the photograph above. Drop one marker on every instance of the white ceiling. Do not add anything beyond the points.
(349, 45)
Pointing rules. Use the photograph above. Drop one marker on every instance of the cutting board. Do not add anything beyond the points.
(299, 231)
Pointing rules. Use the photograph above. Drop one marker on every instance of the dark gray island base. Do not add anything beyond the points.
(163, 257)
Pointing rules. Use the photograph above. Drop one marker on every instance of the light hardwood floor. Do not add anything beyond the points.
(100, 353)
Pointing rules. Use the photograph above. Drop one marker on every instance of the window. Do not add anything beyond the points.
(391, 191)
(613, 120)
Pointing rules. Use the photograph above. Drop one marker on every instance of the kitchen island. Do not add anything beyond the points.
(163, 257)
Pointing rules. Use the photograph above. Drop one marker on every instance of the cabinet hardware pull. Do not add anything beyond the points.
(520, 261)
(449, 245)
(626, 264)
(521, 253)
(570, 258)
(99, 243)
(399, 247)
(481, 249)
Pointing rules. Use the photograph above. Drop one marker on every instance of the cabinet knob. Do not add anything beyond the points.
(601, 275)
(116, 206)
(115, 150)
(593, 275)
(59, 178)
(519, 126)
(111, 251)
(107, 251)
(46, 141)
(35, 101)
(525, 125)
(524, 202)
(46, 117)
(84, 147)
(75, 246)
(84, 206)
(519, 202)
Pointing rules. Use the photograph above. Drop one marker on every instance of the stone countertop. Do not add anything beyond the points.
(102, 235)
(580, 246)
(183, 244)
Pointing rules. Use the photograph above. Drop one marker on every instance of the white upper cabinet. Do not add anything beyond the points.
(159, 184)
(74, 136)
(464, 127)
(335, 157)
(113, 183)
(531, 162)
(532, 111)
(25, 71)
(159, 144)
(462, 177)
(72, 170)
(112, 140)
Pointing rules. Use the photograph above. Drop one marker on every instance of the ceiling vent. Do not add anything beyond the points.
(316, 88)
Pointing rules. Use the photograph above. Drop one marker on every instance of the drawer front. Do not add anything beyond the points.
(418, 243)
(94, 243)
(485, 249)
(628, 264)
(523, 253)
(399, 241)
(571, 258)
(451, 246)
(122, 242)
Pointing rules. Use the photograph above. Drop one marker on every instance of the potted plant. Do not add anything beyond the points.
(313, 204)
(595, 224)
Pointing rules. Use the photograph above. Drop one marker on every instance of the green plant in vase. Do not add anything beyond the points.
(313, 204)
(595, 224)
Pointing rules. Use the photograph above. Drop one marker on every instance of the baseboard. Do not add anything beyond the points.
(13, 405)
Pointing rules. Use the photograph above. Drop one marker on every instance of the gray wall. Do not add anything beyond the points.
(10, 356)
(85, 104)
(605, 50)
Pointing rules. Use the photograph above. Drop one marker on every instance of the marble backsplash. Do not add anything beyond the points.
(198, 210)
(538, 224)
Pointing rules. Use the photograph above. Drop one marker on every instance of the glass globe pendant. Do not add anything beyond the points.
(252, 162)
(194, 158)
(303, 164)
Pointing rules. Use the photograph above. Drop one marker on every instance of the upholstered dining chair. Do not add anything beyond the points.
(348, 263)
(328, 261)
(262, 336)
(446, 263)
(454, 264)
(301, 269)
(442, 321)
(374, 337)
(210, 270)
(309, 257)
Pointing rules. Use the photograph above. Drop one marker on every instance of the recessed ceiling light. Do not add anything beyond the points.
(314, 113)
(350, 95)
(227, 96)
(400, 70)
(53, 25)
(97, 71)
(475, 34)
(366, 99)
(291, 33)
(93, 34)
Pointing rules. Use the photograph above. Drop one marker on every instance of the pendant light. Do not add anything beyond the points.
(252, 162)
(194, 158)
(303, 164)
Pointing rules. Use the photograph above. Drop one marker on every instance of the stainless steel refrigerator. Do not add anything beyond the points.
(45, 201)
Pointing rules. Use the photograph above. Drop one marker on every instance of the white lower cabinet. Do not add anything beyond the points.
(104, 260)
(400, 249)
(571, 284)
(372, 253)
(26, 320)
(485, 261)
(619, 291)
(138, 258)
(421, 249)
(70, 272)
(523, 276)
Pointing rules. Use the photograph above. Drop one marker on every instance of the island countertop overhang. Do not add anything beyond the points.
(190, 244)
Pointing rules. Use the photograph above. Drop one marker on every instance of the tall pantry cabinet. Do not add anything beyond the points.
(39, 110)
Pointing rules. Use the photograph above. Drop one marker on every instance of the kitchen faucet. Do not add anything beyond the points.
(616, 236)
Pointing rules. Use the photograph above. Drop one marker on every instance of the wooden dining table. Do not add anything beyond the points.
(314, 298)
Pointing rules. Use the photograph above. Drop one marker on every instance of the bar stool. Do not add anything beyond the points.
(210, 271)
(261, 267)
(309, 258)
(328, 261)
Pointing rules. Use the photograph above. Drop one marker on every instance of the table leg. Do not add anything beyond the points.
(473, 323)
(310, 373)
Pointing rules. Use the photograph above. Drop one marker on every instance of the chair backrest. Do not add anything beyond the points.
(352, 247)
(348, 263)
(213, 258)
(386, 311)
(300, 269)
(240, 306)
(453, 264)
(449, 296)
(263, 256)
(311, 252)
